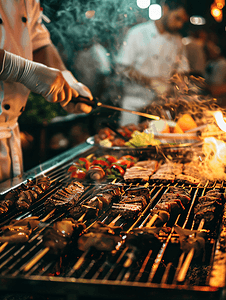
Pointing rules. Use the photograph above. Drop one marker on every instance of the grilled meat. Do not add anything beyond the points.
(141, 171)
(61, 233)
(66, 197)
(24, 195)
(209, 208)
(128, 211)
(18, 231)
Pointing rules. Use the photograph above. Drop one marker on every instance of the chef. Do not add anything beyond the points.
(150, 54)
(28, 62)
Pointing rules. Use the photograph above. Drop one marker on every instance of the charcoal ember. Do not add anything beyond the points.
(98, 240)
(61, 233)
(132, 199)
(162, 217)
(191, 239)
(128, 211)
(18, 231)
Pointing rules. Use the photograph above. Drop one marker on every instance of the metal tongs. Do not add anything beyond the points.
(95, 103)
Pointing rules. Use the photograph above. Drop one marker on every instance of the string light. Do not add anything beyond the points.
(143, 3)
(155, 11)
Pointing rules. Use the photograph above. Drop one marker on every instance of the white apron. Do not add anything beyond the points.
(21, 32)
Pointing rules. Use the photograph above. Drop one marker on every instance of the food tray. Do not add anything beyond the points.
(149, 151)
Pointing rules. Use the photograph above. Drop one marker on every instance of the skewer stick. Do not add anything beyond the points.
(131, 256)
(183, 271)
(36, 259)
(3, 246)
(152, 221)
(80, 260)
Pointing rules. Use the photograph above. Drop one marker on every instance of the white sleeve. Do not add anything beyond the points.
(128, 53)
(40, 36)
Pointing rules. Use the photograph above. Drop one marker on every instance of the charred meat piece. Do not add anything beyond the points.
(65, 197)
(61, 233)
(101, 236)
(26, 198)
(138, 191)
(142, 171)
(24, 195)
(89, 212)
(161, 217)
(176, 194)
(141, 238)
(132, 199)
(18, 231)
(168, 171)
(173, 206)
(8, 201)
(99, 241)
(191, 239)
(127, 211)
(209, 207)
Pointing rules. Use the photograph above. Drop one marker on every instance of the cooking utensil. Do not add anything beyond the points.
(95, 103)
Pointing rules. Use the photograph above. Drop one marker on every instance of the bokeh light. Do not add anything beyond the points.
(155, 11)
(143, 3)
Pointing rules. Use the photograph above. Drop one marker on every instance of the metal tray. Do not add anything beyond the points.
(149, 151)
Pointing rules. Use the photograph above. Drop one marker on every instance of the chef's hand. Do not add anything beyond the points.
(77, 89)
(40, 79)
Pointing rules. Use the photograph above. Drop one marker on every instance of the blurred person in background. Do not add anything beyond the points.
(151, 53)
(194, 45)
(215, 71)
(29, 62)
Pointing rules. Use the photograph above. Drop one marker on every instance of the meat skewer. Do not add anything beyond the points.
(91, 208)
(172, 203)
(208, 207)
(25, 195)
(195, 241)
(56, 238)
(18, 231)
(65, 197)
(103, 241)
(161, 253)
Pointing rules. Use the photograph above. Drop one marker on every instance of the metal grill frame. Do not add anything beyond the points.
(72, 287)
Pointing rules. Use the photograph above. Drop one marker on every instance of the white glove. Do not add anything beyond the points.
(77, 89)
(38, 78)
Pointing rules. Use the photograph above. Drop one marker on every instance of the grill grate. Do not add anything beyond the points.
(125, 271)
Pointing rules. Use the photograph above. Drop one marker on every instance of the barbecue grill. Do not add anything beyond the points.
(125, 273)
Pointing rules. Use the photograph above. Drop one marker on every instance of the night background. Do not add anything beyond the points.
(74, 32)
